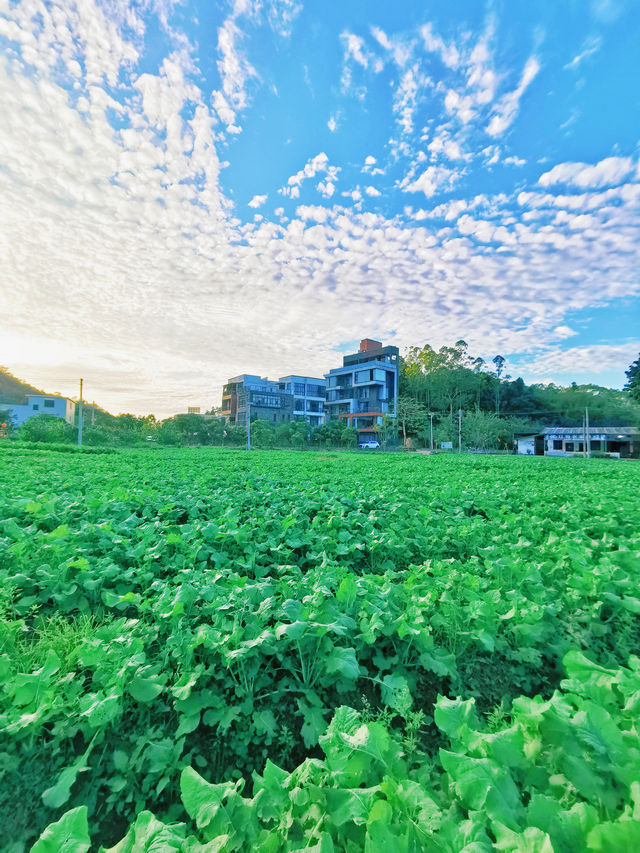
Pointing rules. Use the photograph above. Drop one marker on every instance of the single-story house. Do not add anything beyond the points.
(41, 404)
(617, 441)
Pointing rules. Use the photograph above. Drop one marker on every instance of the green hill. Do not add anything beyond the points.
(13, 390)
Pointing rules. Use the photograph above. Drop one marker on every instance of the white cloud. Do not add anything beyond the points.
(257, 200)
(372, 191)
(434, 179)
(332, 124)
(611, 170)
(591, 45)
(120, 231)
(449, 148)
(326, 188)
(354, 49)
(507, 108)
(591, 359)
(448, 52)
(234, 69)
(281, 15)
(316, 165)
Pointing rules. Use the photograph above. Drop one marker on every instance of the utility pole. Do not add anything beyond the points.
(587, 445)
(431, 430)
(459, 430)
(80, 417)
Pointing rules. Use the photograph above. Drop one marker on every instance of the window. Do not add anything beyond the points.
(298, 388)
(49, 404)
(315, 391)
(333, 381)
(595, 445)
(379, 373)
(557, 444)
(298, 405)
(269, 400)
(35, 407)
(568, 445)
(362, 376)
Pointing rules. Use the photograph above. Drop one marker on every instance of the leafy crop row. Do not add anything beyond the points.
(215, 612)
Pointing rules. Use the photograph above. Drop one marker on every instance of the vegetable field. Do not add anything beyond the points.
(208, 650)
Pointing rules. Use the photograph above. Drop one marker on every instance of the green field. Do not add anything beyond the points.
(209, 650)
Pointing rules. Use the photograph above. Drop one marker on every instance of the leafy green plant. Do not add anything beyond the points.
(211, 609)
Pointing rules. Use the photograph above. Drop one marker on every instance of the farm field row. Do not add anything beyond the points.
(213, 650)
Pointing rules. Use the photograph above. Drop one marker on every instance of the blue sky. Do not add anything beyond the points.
(190, 190)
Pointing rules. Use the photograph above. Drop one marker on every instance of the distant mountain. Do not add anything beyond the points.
(13, 390)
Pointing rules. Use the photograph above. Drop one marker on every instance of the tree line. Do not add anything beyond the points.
(445, 395)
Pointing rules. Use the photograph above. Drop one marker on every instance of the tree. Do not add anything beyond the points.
(47, 428)
(499, 361)
(262, 434)
(481, 429)
(633, 380)
(349, 436)
(410, 416)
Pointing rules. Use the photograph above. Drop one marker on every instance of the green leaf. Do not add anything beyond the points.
(70, 834)
(347, 805)
(619, 835)
(58, 795)
(347, 591)
(456, 718)
(532, 840)
(144, 689)
(342, 662)
(482, 784)
(381, 812)
(150, 835)
(395, 693)
(201, 799)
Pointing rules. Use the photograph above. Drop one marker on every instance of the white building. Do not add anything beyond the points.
(569, 441)
(41, 404)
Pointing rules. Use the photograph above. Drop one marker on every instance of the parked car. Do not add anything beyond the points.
(369, 445)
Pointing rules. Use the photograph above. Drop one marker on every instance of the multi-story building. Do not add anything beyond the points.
(309, 396)
(41, 404)
(260, 398)
(365, 388)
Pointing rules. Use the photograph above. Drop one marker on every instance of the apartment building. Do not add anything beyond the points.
(309, 394)
(260, 398)
(365, 388)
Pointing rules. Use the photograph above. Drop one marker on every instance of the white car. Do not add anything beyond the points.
(369, 445)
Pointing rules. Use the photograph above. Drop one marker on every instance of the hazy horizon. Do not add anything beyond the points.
(190, 191)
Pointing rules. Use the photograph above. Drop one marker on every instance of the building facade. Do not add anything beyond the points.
(365, 388)
(309, 396)
(567, 441)
(41, 404)
(255, 398)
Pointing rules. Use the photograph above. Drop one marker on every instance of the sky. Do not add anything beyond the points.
(192, 190)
